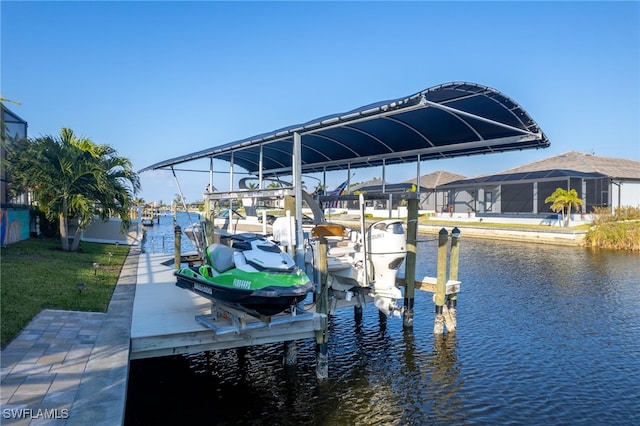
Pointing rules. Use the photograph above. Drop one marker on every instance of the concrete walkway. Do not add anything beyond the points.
(71, 368)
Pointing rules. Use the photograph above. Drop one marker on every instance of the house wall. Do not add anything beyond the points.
(111, 232)
(14, 225)
(625, 193)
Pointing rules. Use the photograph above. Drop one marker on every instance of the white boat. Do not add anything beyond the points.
(147, 221)
(367, 265)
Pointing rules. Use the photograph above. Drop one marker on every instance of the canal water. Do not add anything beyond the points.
(159, 238)
(546, 335)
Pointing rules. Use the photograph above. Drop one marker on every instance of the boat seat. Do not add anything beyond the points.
(328, 230)
(220, 257)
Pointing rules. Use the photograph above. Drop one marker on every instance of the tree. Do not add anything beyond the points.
(562, 200)
(74, 179)
(179, 201)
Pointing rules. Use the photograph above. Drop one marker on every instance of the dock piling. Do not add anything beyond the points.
(177, 232)
(452, 299)
(410, 268)
(290, 353)
(439, 297)
(322, 306)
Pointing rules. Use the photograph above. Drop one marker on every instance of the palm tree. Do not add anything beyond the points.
(74, 179)
(562, 200)
(179, 201)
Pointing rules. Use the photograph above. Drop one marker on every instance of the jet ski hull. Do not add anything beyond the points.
(263, 293)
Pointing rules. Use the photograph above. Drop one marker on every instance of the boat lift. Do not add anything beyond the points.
(449, 120)
(226, 318)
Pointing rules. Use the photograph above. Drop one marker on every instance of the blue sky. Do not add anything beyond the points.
(157, 80)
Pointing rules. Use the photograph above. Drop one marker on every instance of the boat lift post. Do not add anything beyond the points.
(410, 267)
(177, 231)
(322, 307)
(439, 297)
(452, 298)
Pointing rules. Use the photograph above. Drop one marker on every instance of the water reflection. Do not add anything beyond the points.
(546, 335)
(160, 238)
(446, 400)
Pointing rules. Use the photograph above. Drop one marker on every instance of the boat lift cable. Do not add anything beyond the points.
(184, 204)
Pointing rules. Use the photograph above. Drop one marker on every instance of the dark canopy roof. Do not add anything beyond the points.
(450, 120)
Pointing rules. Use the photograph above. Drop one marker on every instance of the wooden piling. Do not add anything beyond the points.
(357, 313)
(290, 352)
(174, 207)
(439, 298)
(410, 267)
(322, 306)
(177, 232)
(452, 299)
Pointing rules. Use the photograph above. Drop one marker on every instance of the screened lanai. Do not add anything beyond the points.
(524, 192)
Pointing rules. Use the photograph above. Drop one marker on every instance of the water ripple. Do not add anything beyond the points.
(546, 335)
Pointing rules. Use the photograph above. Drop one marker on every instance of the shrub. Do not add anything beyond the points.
(620, 230)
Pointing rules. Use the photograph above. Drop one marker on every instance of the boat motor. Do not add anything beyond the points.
(386, 250)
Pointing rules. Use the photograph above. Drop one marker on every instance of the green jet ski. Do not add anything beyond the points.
(253, 274)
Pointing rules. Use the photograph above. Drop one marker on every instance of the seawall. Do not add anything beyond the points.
(556, 236)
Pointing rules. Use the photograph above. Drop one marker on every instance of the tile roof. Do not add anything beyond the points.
(585, 163)
(435, 179)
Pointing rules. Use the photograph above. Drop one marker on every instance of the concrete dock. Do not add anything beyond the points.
(164, 318)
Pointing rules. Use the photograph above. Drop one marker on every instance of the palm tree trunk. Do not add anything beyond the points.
(76, 239)
(64, 232)
(64, 225)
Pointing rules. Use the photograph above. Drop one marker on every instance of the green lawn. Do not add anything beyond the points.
(37, 275)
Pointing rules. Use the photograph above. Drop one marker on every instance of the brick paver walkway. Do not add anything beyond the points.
(70, 368)
(42, 367)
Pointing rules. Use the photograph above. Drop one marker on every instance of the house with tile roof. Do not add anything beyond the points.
(521, 191)
(431, 198)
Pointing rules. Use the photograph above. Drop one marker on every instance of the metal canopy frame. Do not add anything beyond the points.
(445, 121)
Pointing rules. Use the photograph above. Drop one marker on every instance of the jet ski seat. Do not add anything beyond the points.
(220, 257)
